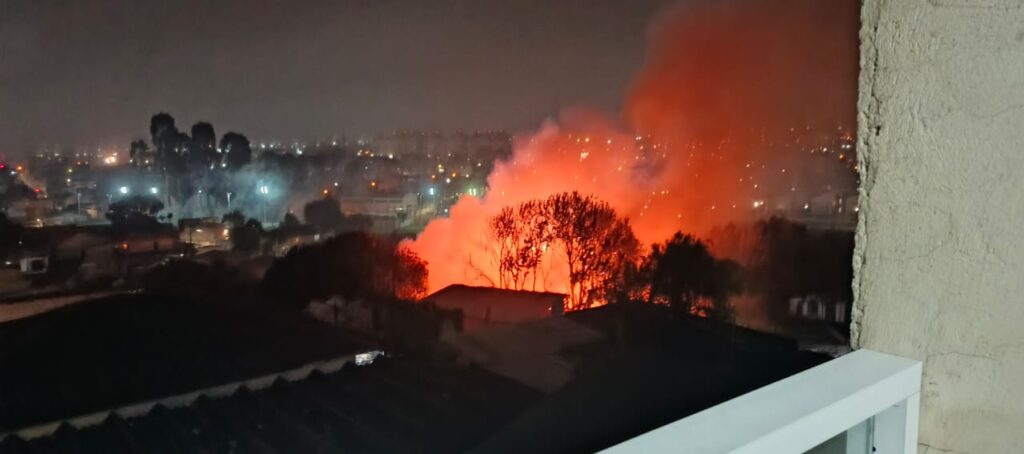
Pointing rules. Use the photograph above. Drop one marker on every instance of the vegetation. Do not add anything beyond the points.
(354, 266)
(136, 213)
(682, 273)
(193, 166)
(784, 259)
(247, 236)
(581, 232)
(323, 214)
(237, 150)
(290, 220)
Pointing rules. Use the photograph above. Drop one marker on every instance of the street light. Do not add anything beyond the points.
(265, 190)
(153, 190)
(123, 190)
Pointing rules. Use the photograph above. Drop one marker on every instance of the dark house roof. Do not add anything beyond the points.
(391, 406)
(646, 368)
(107, 353)
(486, 305)
(651, 368)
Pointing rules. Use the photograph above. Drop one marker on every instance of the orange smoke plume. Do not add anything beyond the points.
(733, 101)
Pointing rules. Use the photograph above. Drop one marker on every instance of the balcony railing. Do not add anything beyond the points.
(864, 402)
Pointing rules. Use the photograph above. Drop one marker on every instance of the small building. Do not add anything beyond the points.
(483, 306)
(204, 233)
(814, 307)
(76, 247)
(164, 243)
(386, 212)
(34, 264)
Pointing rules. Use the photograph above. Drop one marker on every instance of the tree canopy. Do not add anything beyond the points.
(237, 150)
(352, 265)
(246, 237)
(568, 231)
(784, 259)
(682, 273)
(323, 214)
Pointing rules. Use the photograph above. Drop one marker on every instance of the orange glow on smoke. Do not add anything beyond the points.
(719, 116)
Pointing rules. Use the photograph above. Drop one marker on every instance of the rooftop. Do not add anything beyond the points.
(124, 349)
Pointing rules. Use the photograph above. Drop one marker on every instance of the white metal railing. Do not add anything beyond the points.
(800, 412)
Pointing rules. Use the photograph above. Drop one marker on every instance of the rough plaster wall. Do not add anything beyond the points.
(940, 245)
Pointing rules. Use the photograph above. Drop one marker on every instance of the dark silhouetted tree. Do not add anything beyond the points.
(135, 213)
(203, 146)
(290, 220)
(354, 266)
(236, 149)
(323, 214)
(683, 274)
(581, 232)
(783, 259)
(169, 143)
(233, 219)
(246, 237)
(163, 132)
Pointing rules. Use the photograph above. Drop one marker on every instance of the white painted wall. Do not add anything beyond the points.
(940, 253)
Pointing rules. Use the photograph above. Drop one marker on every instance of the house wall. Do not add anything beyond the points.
(940, 242)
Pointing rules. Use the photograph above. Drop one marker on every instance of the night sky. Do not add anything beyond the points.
(91, 73)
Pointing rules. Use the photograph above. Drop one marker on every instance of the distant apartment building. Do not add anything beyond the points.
(462, 152)
(387, 212)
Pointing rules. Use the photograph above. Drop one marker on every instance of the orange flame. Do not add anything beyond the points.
(729, 99)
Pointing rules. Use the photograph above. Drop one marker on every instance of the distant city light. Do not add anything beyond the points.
(154, 190)
(123, 189)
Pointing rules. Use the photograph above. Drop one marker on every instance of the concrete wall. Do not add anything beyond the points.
(940, 253)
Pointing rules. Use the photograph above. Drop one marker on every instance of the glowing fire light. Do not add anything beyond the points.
(707, 88)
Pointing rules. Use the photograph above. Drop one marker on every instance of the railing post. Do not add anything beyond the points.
(895, 429)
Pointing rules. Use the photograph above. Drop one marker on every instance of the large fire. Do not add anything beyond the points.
(728, 111)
